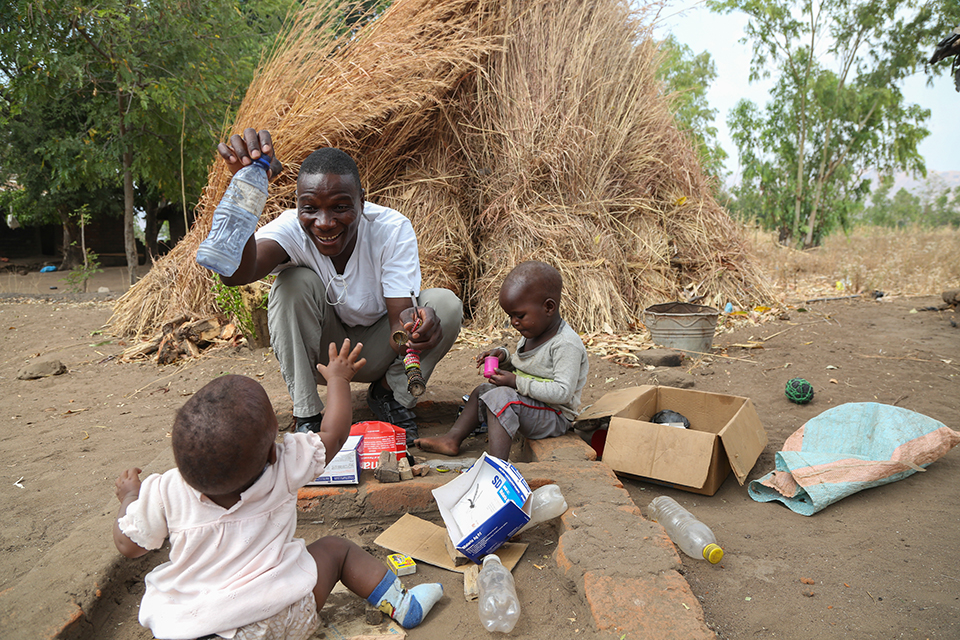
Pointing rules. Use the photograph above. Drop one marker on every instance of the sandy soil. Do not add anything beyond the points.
(881, 561)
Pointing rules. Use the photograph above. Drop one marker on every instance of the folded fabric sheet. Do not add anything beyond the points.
(849, 448)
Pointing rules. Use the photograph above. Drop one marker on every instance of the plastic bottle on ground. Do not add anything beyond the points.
(546, 503)
(235, 219)
(499, 605)
(692, 536)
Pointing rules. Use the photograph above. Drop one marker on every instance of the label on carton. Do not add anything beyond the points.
(345, 466)
(377, 437)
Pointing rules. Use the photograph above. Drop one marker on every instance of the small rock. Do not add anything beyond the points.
(387, 468)
(374, 616)
(677, 379)
(421, 469)
(403, 466)
(103, 290)
(660, 357)
(41, 369)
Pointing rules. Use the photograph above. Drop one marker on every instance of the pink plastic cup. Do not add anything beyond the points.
(490, 364)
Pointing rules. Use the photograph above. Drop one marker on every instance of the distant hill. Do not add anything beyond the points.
(904, 181)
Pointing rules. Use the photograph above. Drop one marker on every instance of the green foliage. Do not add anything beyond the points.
(96, 97)
(686, 77)
(231, 302)
(79, 276)
(835, 111)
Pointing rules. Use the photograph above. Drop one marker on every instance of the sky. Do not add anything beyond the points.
(703, 30)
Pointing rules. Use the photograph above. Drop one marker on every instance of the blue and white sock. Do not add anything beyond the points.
(408, 607)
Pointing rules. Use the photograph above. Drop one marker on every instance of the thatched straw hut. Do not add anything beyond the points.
(506, 131)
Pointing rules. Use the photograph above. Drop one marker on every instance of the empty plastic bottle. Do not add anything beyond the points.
(235, 219)
(692, 536)
(546, 503)
(499, 604)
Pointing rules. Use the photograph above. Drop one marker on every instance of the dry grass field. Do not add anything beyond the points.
(904, 262)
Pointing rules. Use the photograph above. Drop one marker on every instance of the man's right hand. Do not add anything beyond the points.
(243, 150)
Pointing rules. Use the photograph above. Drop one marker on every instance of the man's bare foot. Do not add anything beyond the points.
(440, 444)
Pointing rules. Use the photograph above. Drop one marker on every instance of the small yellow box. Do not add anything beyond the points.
(401, 565)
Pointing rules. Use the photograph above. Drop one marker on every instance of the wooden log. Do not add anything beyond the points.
(190, 348)
(454, 553)
(169, 350)
(171, 325)
(470, 590)
(141, 350)
(203, 330)
(228, 332)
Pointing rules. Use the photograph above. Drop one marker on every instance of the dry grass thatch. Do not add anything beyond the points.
(506, 131)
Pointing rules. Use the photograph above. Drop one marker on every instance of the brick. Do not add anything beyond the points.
(337, 499)
(651, 606)
(566, 447)
(404, 497)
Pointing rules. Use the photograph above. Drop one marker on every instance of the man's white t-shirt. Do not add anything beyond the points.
(385, 262)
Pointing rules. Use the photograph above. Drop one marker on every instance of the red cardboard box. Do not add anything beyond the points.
(377, 437)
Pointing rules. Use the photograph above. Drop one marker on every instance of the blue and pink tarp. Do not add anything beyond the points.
(849, 448)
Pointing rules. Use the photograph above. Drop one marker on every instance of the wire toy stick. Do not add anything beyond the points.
(416, 384)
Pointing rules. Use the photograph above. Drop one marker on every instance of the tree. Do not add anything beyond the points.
(934, 204)
(686, 77)
(42, 192)
(836, 109)
(150, 83)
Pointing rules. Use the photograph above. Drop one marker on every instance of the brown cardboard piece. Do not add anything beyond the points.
(725, 434)
(423, 541)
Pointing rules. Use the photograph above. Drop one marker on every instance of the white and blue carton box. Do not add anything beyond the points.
(345, 466)
(484, 506)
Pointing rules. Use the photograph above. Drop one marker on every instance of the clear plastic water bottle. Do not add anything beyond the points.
(235, 219)
(692, 536)
(499, 604)
(546, 503)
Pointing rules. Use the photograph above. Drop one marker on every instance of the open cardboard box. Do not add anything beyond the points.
(725, 434)
(484, 506)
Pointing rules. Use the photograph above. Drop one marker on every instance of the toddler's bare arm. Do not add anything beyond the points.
(338, 414)
(127, 490)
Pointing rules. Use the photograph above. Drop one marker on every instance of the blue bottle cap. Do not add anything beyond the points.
(263, 161)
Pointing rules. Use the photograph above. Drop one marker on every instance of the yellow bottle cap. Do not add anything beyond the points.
(712, 553)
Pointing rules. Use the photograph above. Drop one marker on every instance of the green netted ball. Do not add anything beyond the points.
(799, 390)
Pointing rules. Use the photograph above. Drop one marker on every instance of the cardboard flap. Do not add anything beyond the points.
(658, 451)
(613, 403)
(424, 541)
(744, 439)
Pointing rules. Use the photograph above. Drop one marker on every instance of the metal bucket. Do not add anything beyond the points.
(680, 325)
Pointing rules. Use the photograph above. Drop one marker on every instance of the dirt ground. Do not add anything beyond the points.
(881, 561)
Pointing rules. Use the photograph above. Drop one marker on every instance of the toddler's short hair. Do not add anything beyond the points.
(536, 277)
(219, 436)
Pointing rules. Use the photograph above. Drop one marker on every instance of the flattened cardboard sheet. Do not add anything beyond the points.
(424, 541)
